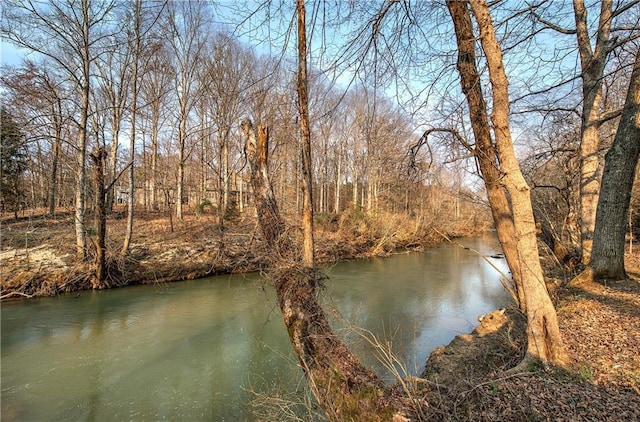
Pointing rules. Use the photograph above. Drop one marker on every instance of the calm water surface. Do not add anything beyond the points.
(194, 350)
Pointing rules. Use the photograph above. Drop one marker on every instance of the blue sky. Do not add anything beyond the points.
(9, 55)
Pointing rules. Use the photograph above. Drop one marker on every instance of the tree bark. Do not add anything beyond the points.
(98, 158)
(155, 129)
(308, 258)
(592, 63)
(607, 259)
(132, 137)
(182, 135)
(543, 334)
(344, 388)
(81, 236)
(484, 150)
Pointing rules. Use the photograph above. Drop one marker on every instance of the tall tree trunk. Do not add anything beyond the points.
(592, 63)
(182, 135)
(543, 334)
(221, 184)
(607, 259)
(338, 181)
(81, 236)
(308, 258)
(155, 129)
(98, 158)
(225, 168)
(180, 185)
(485, 151)
(344, 388)
(132, 136)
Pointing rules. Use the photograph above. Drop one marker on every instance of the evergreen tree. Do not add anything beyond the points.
(13, 163)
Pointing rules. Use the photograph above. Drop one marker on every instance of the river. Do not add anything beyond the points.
(198, 350)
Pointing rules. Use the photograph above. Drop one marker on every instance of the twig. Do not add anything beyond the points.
(14, 293)
(506, 377)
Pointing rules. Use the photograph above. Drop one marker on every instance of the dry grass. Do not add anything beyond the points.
(38, 251)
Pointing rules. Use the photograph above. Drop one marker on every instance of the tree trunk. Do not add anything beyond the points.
(607, 259)
(338, 181)
(81, 236)
(543, 334)
(485, 151)
(182, 134)
(515, 223)
(592, 64)
(132, 136)
(308, 258)
(344, 388)
(113, 155)
(155, 129)
(226, 180)
(221, 185)
(98, 158)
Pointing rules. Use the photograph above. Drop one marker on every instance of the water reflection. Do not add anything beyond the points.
(190, 351)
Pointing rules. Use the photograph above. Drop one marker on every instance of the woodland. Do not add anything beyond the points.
(159, 140)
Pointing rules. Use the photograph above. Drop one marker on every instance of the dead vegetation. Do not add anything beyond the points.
(37, 252)
(467, 380)
(471, 378)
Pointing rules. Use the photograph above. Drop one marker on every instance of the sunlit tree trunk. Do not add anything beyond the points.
(132, 137)
(485, 151)
(543, 334)
(305, 134)
(592, 62)
(81, 236)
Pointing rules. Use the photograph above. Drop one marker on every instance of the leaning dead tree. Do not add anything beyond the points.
(344, 388)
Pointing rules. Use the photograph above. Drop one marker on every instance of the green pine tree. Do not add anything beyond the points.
(13, 163)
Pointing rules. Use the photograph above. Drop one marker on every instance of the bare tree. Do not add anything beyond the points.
(594, 47)
(607, 259)
(186, 24)
(593, 61)
(112, 88)
(224, 79)
(65, 33)
(41, 97)
(135, 45)
(98, 158)
(544, 340)
(154, 92)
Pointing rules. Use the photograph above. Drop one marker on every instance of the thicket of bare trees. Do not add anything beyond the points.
(157, 90)
(162, 90)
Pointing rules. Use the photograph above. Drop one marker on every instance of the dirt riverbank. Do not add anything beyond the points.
(38, 252)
